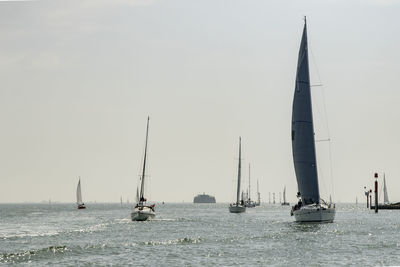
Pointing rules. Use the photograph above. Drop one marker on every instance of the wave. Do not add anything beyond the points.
(185, 240)
(29, 254)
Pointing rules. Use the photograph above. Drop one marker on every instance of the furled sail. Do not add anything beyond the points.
(303, 143)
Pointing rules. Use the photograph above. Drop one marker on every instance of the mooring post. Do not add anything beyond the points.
(370, 198)
(366, 194)
(376, 192)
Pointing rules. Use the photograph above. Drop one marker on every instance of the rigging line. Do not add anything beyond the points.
(326, 117)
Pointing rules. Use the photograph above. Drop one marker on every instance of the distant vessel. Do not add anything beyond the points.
(79, 201)
(249, 203)
(258, 196)
(203, 198)
(238, 206)
(386, 204)
(143, 212)
(310, 207)
(284, 198)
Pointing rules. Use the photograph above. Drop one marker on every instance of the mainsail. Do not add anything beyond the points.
(79, 193)
(385, 194)
(303, 143)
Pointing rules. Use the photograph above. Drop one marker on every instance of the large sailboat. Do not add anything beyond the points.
(238, 206)
(79, 201)
(310, 208)
(143, 212)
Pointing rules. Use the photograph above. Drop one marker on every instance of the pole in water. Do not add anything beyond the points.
(370, 198)
(376, 192)
(367, 194)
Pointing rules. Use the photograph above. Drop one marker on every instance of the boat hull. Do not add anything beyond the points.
(314, 213)
(250, 205)
(142, 215)
(81, 206)
(237, 209)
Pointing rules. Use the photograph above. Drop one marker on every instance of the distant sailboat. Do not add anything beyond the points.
(79, 201)
(238, 206)
(284, 198)
(310, 207)
(386, 204)
(249, 203)
(143, 212)
(258, 196)
(385, 193)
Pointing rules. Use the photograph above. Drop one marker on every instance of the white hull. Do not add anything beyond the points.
(237, 209)
(142, 215)
(315, 213)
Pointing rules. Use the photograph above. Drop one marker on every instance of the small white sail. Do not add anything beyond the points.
(385, 193)
(137, 195)
(79, 193)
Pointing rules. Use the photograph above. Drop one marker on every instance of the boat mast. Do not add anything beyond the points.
(239, 170)
(144, 164)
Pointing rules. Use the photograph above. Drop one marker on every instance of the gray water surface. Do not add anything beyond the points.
(193, 235)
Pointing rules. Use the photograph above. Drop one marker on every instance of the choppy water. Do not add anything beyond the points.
(194, 234)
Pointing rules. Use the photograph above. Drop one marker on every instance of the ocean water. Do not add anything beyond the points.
(194, 235)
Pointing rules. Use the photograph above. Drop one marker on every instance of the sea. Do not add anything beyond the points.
(187, 234)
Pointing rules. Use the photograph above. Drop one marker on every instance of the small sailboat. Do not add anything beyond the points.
(258, 196)
(284, 203)
(310, 208)
(386, 204)
(79, 201)
(249, 203)
(143, 212)
(238, 206)
(385, 193)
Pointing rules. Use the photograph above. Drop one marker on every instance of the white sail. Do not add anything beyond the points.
(79, 193)
(385, 193)
(137, 195)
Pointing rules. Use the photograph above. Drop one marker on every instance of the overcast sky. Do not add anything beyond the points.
(79, 78)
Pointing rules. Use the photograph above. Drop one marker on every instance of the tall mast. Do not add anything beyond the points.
(144, 163)
(239, 170)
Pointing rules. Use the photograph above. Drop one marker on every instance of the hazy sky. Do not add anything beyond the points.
(78, 79)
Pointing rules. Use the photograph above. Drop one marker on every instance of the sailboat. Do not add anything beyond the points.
(284, 203)
(238, 206)
(143, 212)
(386, 204)
(385, 193)
(258, 196)
(79, 202)
(249, 203)
(310, 207)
